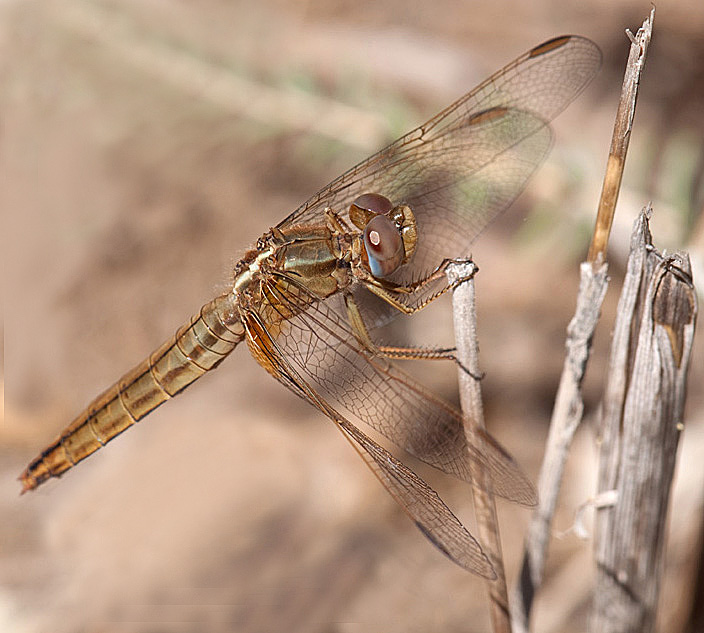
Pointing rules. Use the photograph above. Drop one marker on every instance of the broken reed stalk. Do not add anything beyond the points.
(620, 139)
(460, 276)
(569, 406)
(641, 423)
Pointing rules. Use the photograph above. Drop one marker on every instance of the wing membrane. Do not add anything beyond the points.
(319, 343)
(425, 507)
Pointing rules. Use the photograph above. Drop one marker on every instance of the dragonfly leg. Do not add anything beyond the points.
(336, 222)
(394, 351)
(357, 323)
(423, 353)
(439, 272)
(398, 295)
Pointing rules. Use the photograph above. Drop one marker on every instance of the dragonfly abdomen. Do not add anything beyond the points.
(197, 347)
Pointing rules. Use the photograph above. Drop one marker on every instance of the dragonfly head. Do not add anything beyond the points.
(389, 232)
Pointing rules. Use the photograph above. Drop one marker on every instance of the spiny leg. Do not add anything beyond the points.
(392, 292)
(424, 353)
(394, 351)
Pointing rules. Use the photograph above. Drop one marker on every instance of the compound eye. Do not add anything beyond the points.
(384, 246)
(366, 206)
(374, 202)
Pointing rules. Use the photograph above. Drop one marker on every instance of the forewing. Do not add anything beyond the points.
(467, 164)
(319, 343)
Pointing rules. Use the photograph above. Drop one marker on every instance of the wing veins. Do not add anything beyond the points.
(422, 504)
(450, 449)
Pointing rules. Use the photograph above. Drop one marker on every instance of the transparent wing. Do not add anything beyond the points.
(425, 507)
(462, 168)
(316, 340)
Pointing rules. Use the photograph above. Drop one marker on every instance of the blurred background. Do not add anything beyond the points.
(143, 147)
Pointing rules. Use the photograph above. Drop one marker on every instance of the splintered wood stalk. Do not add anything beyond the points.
(641, 425)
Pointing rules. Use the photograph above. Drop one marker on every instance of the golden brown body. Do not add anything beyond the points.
(197, 347)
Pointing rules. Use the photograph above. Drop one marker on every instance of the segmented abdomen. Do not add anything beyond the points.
(197, 347)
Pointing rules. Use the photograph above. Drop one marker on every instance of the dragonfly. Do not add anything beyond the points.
(374, 243)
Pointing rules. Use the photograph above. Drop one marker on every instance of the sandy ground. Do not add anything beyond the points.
(143, 147)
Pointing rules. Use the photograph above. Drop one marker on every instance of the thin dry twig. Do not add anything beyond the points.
(641, 424)
(566, 417)
(465, 322)
(567, 413)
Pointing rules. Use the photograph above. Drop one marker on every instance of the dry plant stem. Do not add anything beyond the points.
(465, 323)
(642, 421)
(568, 409)
(619, 141)
(566, 417)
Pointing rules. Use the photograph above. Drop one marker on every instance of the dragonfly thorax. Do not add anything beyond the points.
(308, 255)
